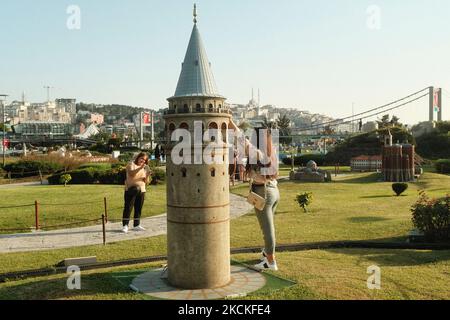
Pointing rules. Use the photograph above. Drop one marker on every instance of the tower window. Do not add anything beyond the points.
(224, 132)
(213, 172)
(186, 108)
(198, 107)
(184, 172)
(210, 107)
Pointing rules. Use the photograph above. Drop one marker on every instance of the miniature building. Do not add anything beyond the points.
(198, 213)
(310, 174)
(398, 161)
(366, 163)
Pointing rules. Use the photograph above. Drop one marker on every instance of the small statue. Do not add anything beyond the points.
(311, 173)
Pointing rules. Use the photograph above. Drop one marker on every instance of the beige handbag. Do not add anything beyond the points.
(255, 199)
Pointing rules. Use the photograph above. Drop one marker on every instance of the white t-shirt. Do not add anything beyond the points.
(137, 179)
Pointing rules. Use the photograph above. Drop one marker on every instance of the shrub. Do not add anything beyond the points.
(443, 166)
(91, 176)
(158, 176)
(116, 175)
(65, 179)
(399, 188)
(113, 176)
(80, 176)
(126, 157)
(30, 168)
(304, 200)
(99, 166)
(432, 217)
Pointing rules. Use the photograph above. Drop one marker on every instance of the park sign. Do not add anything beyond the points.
(5, 143)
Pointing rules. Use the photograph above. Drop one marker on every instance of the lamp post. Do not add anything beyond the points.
(2, 100)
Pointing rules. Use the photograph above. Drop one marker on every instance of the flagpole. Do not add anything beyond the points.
(153, 131)
(141, 134)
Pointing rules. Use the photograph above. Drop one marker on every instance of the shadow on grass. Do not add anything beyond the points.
(366, 219)
(376, 197)
(396, 258)
(374, 177)
(91, 286)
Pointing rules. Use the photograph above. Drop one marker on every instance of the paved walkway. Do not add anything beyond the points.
(22, 184)
(92, 235)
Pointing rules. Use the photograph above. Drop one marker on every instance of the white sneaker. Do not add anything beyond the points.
(125, 229)
(265, 265)
(139, 228)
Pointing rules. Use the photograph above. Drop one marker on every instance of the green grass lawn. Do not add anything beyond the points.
(355, 207)
(63, 205)
(319, 274)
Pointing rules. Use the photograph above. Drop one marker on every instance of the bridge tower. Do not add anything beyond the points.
(435, 103)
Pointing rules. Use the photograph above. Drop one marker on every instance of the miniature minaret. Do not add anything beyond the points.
(198, 213)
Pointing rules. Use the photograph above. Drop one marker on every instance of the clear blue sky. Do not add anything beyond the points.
(316, 55)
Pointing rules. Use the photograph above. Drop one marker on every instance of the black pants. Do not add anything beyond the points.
(133, 197)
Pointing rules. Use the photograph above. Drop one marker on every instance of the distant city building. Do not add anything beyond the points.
(366, 163)
(97, 118)
(91, 131)
(22, 111)
(42, 128)
(67, 105)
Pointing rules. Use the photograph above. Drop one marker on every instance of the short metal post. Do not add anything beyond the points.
(104, 229)
(36, 214)
(106, 210)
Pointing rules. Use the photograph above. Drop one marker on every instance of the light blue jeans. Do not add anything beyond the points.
(266, 216)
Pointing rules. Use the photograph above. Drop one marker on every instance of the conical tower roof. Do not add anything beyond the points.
(196, 78)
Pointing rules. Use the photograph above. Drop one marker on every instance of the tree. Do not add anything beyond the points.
(304, 200)
(328, 130)
(244, 126)
(386, 122)
(436, 144)
(65, 178)
(284, 125)
(395, 122)
(102, 136)
(7, 129)
(268, 124)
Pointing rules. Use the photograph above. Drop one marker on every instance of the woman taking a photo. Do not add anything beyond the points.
(138, 173)
(262, 170)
